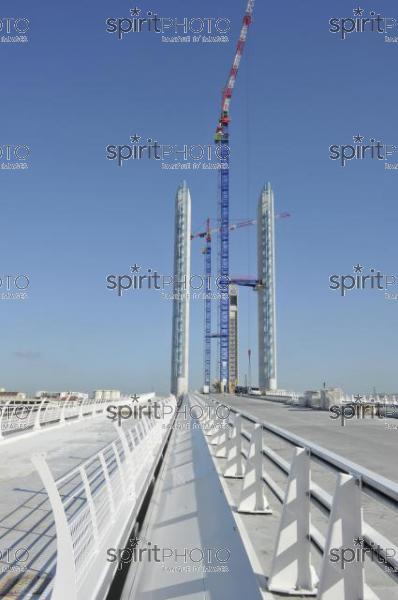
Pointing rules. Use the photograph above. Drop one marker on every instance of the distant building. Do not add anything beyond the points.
(41, 394)
(60, 396)
(6, 396)
(112, 395)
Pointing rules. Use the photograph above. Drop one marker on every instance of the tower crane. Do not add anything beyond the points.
(232, 227)
(207, 304)
(222, 140)
(244, 281)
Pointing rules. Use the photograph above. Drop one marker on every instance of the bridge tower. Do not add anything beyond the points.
(182, 273)
(266, 294)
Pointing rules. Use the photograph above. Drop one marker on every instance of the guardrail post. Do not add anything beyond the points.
(206, 420)
(344, 577)
(214, 431)
(146, 427)
(65, 578)
(234, 464)
(46, 407)
(120, 467)
(221, 451)
(81, 413)
(37, 425)
(11, 417)
(221, 430)
(130, 434)
(253, 498)
(153, 439)
(91, 506)
(129, 472)
(141, 430)
(147, 424)
(75, 406)
(62, 412)
(4, 412)
(291, 570)
(108, 484)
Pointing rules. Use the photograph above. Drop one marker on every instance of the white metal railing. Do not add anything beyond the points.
(291, 571)
(29, 418)
(370, 399)
(290, 397)
(93, 503)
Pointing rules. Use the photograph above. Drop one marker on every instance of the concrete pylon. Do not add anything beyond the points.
(267, 372)
(234, 464)
(182, 271)
(291, 570)
(253, 498)
(339, 580)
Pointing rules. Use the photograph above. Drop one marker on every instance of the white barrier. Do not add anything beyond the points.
(253, 498)
(291, 570)
(27, 418)
(105, 490)
(234, 464)
(345, 525)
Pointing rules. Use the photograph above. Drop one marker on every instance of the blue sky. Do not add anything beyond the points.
(74, 217)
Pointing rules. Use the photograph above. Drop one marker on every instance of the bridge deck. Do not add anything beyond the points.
(189, 513)
(190, 509)
(364, 442)
(368, 442)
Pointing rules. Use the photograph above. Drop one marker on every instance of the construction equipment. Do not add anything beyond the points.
(222, 140)
(237, 280)
(207, 334)
(207, 304)
(232, 227)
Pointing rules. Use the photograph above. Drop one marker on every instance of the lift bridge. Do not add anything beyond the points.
(264, 283)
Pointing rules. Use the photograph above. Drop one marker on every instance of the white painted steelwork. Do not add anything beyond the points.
(95, 504)
(30, 418)
(291, 571)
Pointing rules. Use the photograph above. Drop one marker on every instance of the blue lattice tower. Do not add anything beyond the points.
(222, 140)
(207, 333)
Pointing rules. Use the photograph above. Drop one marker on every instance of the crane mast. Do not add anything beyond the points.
(222, 140)
(241, 281)
(207, 299)
(207, 339)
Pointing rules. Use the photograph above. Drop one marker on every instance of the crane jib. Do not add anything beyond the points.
(227, 93)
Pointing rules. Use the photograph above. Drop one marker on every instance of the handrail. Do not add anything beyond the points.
(344, 507)
(369, 479)
(97, 511)
(29, 419)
